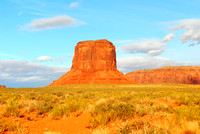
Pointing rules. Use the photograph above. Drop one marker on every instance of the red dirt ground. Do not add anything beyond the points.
(47, 125)
(71, 125)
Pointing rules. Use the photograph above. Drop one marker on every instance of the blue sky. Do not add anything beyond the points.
(37, 38)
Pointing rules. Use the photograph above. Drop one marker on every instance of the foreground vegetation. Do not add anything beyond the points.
(123, 109)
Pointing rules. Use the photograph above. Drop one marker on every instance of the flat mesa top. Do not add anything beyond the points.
(102, 42)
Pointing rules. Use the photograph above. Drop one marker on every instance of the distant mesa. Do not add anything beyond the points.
(94, 62)
(2, 86)
(171, 74)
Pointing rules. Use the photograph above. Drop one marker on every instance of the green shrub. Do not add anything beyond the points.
(142, 126)
(8, 126)
(59, 111)
(134, 125)
(44, 107)
(187, 113)
(186, 99)
(11, 109)
(110, 111)
(76, 104)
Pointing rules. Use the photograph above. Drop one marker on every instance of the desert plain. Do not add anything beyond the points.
(101, 109)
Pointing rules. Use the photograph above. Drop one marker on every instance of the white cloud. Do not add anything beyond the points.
(191, 27)
(47, 58)
(44, 58)
(51, 23)
(130, 64)
(74, 4)
(151, 47)
(169, 37)
(19, 73)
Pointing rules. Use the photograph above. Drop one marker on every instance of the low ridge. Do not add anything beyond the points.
(170, 74)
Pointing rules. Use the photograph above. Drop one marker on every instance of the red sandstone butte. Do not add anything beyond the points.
(2, 86)
(94, 62)
(171, 74)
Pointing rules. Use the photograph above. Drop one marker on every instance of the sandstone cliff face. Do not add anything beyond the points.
(94, 62)
(2, 86)
(180, 75)
(94, 56)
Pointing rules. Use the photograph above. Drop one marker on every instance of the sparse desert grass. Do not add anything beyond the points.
(72, 105)
(141, 126)
(8, 126)
(110, 111)
(140, 107)
(11, 108)
(189, 113)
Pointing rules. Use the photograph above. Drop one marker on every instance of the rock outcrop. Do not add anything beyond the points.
(94, 62)
(180, 75)
(2, 86)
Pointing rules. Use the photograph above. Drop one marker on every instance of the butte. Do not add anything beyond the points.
(94, 62)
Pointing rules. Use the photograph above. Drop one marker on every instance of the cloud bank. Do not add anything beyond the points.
(191, 28)
(52, 23)
(21, 73)
(129, 64)
(152, 47)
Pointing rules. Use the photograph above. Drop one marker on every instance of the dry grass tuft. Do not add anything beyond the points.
(101, 130)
